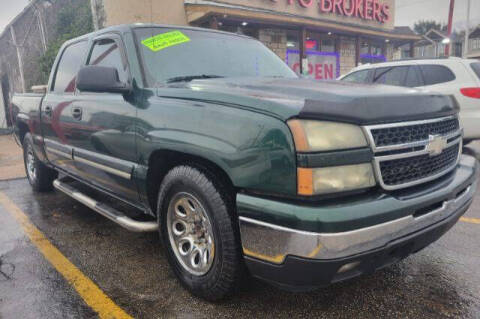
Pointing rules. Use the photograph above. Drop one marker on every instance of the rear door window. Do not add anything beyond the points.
(391, 75)
(476, 68)
(70, 62)
(357, 77)
(436, 74)
(414, 78)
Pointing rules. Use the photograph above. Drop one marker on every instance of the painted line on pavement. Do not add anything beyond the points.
(93, 296)
(470, 220)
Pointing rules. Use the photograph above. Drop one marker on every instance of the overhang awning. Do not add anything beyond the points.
(200, 11)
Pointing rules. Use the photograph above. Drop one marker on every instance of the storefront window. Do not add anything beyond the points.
(364, 48)
(293, 40)
(320, 41)
(376, 50)
(323, 61)
(371, 52)
(328, 45)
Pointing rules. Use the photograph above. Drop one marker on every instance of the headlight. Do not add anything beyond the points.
(316, 136)
(321, 136)
(325, 180)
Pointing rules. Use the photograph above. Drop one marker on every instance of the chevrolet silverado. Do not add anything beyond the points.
(241, 165)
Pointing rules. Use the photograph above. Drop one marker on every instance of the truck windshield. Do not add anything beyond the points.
(176, 55)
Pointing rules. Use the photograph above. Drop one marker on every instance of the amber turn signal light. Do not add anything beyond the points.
(304, 181)
(299, 137)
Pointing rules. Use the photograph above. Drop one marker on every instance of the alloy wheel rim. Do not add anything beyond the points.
(32, 172)
(190, 234)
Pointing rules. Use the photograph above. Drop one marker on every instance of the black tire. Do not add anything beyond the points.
(42, 178)
(226, 270)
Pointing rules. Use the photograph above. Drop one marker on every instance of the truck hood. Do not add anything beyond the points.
(329, 100)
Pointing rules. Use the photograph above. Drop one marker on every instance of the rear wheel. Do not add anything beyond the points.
(198, 229)
(39, 175)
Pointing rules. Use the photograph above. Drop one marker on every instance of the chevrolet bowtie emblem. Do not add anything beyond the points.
(436, 144)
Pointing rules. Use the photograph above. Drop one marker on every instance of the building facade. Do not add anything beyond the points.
(474, 44)
(322, 38)
(22, 42)
(433, 44)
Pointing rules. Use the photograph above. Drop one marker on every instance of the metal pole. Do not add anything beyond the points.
(93, 5)
(449, 31)
(19, 57)
(358, 41)
(42, 30)
(467, 30)
(303, 54)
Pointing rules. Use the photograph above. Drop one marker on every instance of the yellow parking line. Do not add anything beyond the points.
(85, 287)
(470, 220)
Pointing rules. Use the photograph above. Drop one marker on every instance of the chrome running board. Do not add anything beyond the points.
(105, 210)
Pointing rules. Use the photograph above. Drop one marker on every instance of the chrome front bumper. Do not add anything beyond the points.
(273, 243)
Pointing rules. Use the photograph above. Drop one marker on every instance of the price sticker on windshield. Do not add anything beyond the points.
(165, 40)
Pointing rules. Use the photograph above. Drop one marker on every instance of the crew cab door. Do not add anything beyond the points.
(105, 150)
(57, 126)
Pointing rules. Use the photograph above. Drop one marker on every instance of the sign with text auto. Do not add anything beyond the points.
(362, 9)
(373, 13)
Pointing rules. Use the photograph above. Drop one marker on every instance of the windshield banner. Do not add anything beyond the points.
(165, 40)
(321, 65)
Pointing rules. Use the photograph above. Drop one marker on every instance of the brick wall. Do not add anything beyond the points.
(33, 28)
(347, 55)
(390, 52)
(275, 40)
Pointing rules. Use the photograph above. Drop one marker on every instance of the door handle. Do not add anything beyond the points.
(77, 113)
(48, 110)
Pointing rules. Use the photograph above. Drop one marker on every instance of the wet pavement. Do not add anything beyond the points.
(11, 158)
(441, 281)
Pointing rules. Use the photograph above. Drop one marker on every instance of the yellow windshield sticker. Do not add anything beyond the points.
(165, 40)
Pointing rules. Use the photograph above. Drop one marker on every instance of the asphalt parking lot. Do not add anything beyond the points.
(441, 281)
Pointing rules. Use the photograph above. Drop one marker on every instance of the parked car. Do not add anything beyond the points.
(241, 163)
(450, 76)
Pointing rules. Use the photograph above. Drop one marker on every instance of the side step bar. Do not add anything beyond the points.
(105, 210)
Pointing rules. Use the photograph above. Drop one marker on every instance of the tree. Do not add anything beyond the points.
(423, 26)
(73, 20)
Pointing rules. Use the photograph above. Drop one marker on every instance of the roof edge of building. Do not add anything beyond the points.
(213, 8)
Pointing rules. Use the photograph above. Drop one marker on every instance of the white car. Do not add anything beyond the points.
(450, 76)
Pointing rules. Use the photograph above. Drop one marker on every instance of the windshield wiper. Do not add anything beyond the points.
(189, 78)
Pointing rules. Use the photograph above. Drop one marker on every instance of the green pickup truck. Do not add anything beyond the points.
(242, 166)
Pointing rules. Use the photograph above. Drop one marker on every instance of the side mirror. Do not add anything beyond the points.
(100, 79)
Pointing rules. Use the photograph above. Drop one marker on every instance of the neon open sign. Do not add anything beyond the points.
(363, 9)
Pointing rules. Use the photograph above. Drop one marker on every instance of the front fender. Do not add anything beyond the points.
(255, 150)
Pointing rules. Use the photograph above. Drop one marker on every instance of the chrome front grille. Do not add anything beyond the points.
(405, 170)
(413, 133)
(411, 153)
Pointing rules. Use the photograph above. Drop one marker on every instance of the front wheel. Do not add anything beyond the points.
(39, 175)
(199, 232)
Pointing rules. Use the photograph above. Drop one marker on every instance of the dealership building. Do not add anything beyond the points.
(331, 36)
